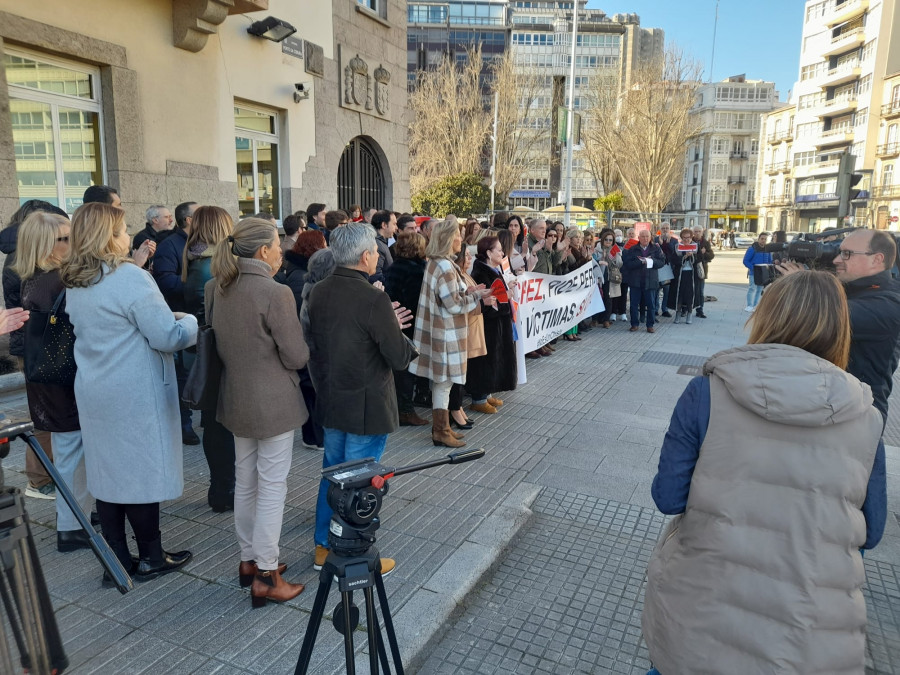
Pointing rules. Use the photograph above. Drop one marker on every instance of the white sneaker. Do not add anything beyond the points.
(612, 318)
(621, 317)
(309, 446)
(749, 308)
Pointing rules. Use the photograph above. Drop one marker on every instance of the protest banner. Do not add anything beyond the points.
(547, 306)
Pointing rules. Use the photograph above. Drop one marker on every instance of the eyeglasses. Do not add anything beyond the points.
(609, 239)
(66, 238)
(845, 253)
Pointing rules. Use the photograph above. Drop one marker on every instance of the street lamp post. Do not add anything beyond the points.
(570, 126)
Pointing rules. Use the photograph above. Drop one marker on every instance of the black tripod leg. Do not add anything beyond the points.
(315, 620)
(389, 623)
(12, 616)
(373, 632)
(349, 656)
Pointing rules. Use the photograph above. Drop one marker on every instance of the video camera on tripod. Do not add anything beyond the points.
(805, 249)
(355, 494)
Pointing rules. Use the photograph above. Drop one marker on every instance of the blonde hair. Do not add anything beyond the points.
(249, 236)
(36, 241)
(808, 310)
(92, 244)
(574, 233)
(209, 225)
(441, 240)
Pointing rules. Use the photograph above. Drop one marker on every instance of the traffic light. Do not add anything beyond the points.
(847, 181)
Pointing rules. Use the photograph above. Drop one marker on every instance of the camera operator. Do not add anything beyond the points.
(864, 267)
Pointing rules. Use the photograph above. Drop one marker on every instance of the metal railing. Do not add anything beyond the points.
(888, 149)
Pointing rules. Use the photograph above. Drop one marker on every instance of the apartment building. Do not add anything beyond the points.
(775, 186)
(847, 48)
(885, 194)
(720, 181)
(539, 34)
(252, 105)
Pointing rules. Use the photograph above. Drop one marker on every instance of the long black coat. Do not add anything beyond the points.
(495, 371)
(355, 345)
(293, 275)
(403, 283)
(683, 286)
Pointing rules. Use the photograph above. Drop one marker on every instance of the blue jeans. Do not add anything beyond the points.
(753, 293)
(642, 298)
(653, 671)
(342, 447)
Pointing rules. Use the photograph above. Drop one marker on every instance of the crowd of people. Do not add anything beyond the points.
(348, 322)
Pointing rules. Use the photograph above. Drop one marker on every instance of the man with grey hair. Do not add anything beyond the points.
(159, 225)
(355, 344)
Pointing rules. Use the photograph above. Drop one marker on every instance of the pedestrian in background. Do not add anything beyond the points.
(704, 256)
(756, 255)
(125, 337)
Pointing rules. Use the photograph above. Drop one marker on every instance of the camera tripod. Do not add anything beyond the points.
(353, 573)
(355, 494)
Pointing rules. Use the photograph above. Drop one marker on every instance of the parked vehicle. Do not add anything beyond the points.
(744, 239)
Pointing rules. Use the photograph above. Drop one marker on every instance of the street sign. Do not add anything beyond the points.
(894, 219)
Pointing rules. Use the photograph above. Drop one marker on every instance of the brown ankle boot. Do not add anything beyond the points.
(268, 585)
(247, 570)
(441, 434)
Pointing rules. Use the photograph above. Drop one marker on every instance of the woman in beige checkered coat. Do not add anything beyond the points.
(441, 327)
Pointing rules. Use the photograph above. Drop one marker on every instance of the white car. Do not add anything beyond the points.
(744, 239)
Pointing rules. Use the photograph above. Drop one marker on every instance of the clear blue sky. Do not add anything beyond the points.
(760, 38)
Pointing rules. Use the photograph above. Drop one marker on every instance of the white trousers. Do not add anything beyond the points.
(260, 472)
(68, 458)
(440, 394)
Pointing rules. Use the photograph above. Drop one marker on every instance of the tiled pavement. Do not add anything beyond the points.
(567, 596)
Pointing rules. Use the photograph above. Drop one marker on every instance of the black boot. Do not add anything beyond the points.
(129, 562)
(154, 562)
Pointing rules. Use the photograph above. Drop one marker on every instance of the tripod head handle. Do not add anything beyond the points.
(454, 458)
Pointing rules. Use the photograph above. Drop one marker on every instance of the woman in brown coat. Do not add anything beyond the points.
(260, 341)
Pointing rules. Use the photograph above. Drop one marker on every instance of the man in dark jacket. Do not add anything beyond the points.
(355, 343)
(705, 254)
(385, 224)
(640, 272)
(874, 301)
(167, 273)
(169, 255)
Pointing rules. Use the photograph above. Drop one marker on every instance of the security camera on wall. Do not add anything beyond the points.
(301, 91)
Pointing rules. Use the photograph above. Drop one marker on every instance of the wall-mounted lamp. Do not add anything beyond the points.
(272, 29)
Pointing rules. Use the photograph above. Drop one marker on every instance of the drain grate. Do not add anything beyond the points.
(670, 359)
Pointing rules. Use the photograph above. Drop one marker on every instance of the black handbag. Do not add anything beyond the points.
(50, 345)
(201, 391)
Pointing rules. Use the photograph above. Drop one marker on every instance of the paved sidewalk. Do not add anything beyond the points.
(568, 596)
(578, 445)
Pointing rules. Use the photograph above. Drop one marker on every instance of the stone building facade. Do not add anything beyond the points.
(174, 100)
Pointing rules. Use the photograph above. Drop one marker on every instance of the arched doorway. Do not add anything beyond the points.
(361, 178)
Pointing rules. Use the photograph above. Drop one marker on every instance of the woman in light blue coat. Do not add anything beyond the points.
(125, 387)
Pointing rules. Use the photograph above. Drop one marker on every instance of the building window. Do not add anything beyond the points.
(55, 111)
(887, 175)
(256, 148)
(376, 6)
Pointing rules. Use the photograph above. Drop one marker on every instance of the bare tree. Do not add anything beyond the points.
(640, 133)
(450, 124)
(523, 123)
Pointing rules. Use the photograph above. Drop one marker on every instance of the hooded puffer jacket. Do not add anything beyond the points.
(762, 574)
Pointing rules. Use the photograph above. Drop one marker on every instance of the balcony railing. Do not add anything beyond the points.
(841, 101)
(734, 206)
(886, 192)
(778, 200)
(737, 180)
(888, 149)
(776, 136)
(891, 109)
(856, 32)
(775, 167)
(845, 69)
(738, 154)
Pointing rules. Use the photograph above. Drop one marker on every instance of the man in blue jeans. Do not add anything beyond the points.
(355, 343)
